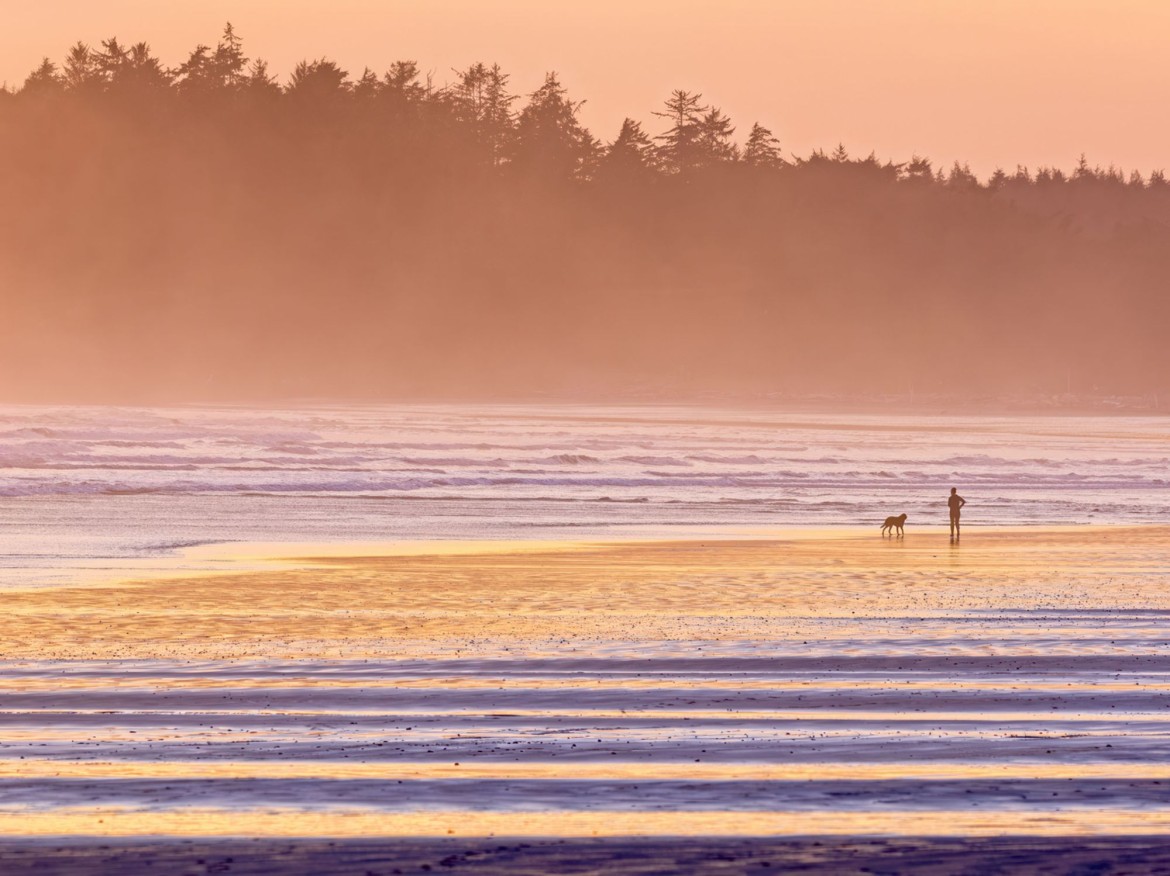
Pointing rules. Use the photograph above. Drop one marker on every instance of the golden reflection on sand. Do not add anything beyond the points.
(702, 716)
(285, 822)
(649, 681)
(574, 599)
(1002, 657)
(569, 770)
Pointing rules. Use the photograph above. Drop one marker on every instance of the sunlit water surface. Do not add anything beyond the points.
(859, 686)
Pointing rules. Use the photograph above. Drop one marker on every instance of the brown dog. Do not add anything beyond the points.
(893, 523)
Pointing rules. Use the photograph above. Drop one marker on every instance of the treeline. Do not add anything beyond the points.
(208, 232)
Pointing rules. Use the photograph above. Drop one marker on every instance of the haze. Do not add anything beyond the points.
(184, 224)
(992, 83)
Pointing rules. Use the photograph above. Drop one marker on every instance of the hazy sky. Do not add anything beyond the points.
(994, 82)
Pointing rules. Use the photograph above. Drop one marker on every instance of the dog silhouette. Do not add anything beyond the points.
(893, 523)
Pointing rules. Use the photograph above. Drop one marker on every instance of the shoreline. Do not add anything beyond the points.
(499, 598)
(284, 555)
(220, 558)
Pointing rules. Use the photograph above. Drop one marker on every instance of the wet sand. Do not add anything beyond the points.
(1011, 690)
(640, 857)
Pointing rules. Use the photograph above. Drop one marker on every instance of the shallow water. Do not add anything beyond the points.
(585, 747)
(114, 492)
(736, 680)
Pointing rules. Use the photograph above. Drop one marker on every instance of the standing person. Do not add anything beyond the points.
(955, 502)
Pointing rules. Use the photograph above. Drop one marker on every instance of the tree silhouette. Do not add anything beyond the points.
(320, 82)
(82, 72)
(715, 133)
(681, 149)
(390, 238)
(919, 170)
(44, 81)
(762, 149)
(208, 72)
(481, 101)
(550, 142)
(630, 158)
(259, 83)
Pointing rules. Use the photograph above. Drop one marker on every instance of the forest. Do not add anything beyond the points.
(210, 232)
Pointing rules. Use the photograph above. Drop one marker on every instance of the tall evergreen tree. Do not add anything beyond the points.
(632, 147)
(762, 149)
(368, 85)
(401, 80)
(715, 133)
(919, 170)
(319, 82)
(43, 81)
(962, 178)
(260, 85)
(207, 72)
(630, 158)
(141, 72)
(230, 63)
(481, 101)
(82, 73)
(681, 149)
(550, 141)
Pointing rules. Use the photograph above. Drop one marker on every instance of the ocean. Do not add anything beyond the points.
(99, 492)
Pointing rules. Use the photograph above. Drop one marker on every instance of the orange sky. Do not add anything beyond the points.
(994, 82)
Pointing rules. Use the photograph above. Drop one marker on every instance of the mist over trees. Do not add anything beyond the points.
(210, 232)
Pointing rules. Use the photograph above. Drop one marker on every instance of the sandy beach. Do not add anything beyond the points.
(757, 692)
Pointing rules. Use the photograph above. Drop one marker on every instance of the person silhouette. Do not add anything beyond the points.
(955, 502)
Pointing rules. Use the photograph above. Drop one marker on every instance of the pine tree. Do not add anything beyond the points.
(401, 80)
(319, 81)
(497, 121)
(45, 80)
(550, 141)
(402, 94)
(111, 59)
(82, 73)
(715, 132)
(762, 149)
(196, 75)
(481, 101)
(230, 63)
(681, 152)
(919, 170)
(962, 178)
(143, 73)
(368, 85)
(259, 84)
(630, 157)
(206, 72)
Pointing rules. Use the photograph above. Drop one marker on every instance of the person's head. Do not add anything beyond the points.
(954, 490)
